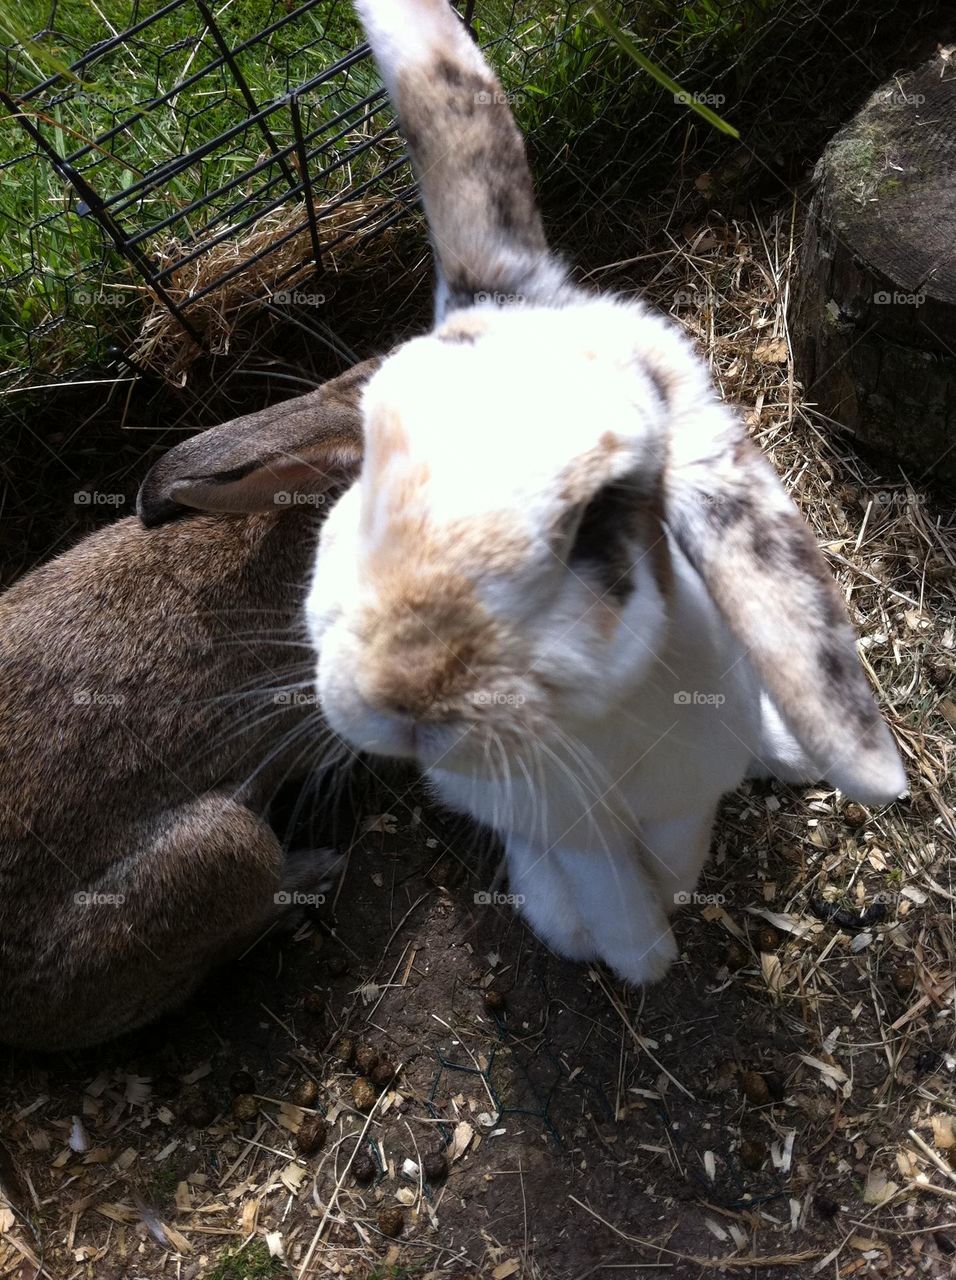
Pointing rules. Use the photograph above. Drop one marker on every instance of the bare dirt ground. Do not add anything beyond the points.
(782, 1105)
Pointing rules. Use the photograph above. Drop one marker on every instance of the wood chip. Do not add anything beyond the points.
(506, 1269)
(944, 1136)
(118, 1212)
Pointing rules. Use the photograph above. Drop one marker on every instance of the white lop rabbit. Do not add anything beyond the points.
(565, 583)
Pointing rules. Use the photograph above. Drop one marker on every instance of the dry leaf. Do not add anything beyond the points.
(865, 1244)
(772, 352)
(944, 1136)
(906, 1164)
(292, 1176)
(878, 1188)
(461, 1141)
(290, 1116)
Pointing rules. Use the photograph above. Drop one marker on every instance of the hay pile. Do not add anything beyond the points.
(278, 283)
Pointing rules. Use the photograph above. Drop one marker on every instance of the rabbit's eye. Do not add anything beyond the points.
(603, 542)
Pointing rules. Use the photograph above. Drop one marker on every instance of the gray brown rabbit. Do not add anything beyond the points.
(154, 692)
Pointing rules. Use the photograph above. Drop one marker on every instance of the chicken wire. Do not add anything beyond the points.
(146, 164)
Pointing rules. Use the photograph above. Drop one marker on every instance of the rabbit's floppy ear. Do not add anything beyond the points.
(468, 156)
(733, 520)
(304, 445)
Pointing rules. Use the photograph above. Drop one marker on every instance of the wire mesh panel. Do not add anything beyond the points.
(169, 159)
(165, 167)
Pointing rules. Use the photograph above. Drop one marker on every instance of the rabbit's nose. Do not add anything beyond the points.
(408, 689)
(404, 704)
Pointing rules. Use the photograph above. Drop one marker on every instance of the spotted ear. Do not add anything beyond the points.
(735, 523)
(468, 156)
(260, 461)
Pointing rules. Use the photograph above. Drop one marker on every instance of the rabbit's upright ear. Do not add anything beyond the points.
(468, 156)
(305, 445)
(735, 523)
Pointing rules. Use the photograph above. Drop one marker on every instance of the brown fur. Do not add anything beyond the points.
(126, 756)
(427, 641)
(469, 158)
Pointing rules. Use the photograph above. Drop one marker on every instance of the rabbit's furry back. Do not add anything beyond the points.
(154, 692)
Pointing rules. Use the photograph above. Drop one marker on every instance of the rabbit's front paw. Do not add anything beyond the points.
(642, 966)
(307, 876)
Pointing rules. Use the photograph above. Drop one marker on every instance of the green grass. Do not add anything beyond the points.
(160, 1190)
(69, 263)
(575, 92)
(254, 1262)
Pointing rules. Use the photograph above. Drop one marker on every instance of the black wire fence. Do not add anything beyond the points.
(167, 166)
(167, 156)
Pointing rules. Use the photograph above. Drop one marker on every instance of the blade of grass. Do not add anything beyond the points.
(624, 41)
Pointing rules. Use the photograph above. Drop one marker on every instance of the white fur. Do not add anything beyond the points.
(604, 835)
(408, 34)
(600, 738)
